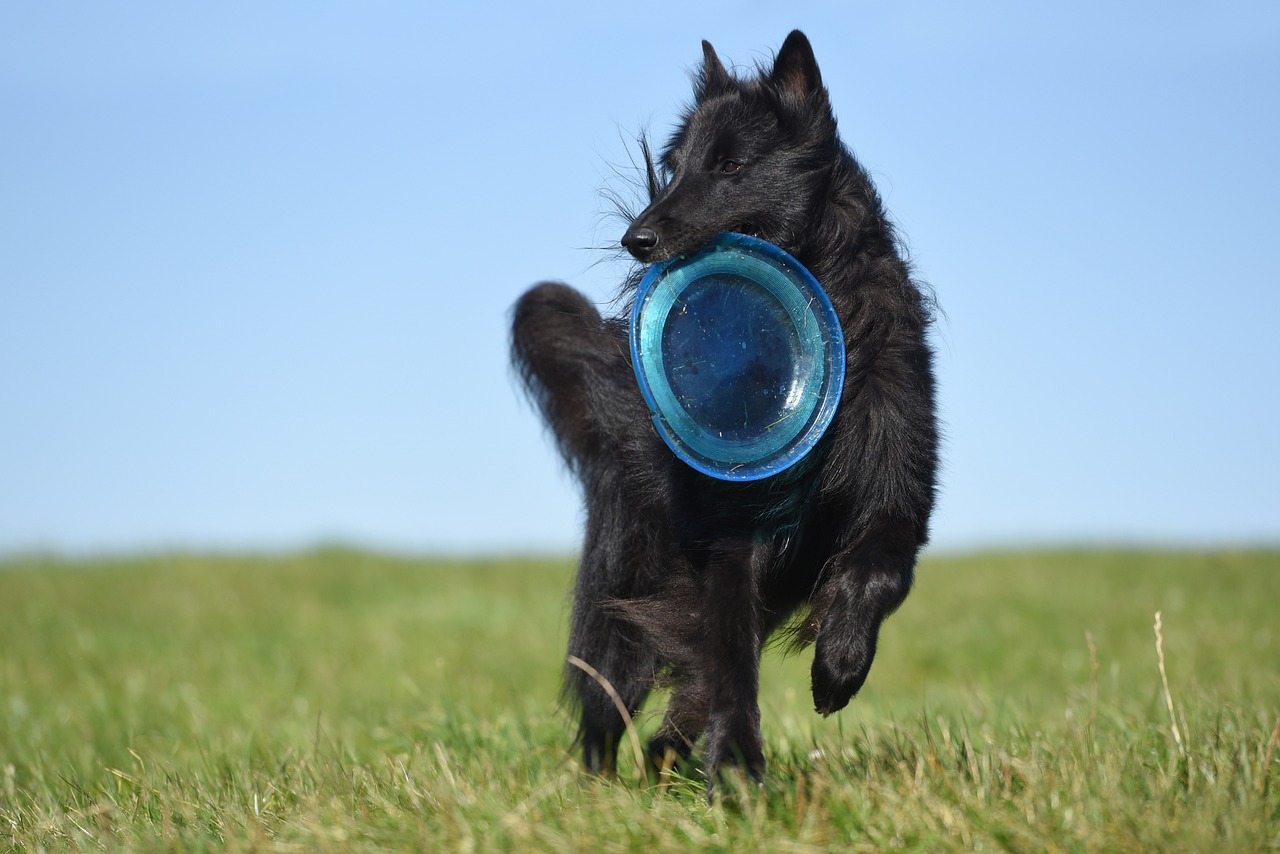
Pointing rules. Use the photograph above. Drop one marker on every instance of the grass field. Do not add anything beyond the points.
(338, 700)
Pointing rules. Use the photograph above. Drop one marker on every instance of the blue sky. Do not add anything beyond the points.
(256, 259)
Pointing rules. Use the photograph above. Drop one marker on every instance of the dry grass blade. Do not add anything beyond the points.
(1164, 680)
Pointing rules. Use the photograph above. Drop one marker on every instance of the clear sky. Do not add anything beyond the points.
(256, 259)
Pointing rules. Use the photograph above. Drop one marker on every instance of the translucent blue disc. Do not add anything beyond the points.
(739, 355)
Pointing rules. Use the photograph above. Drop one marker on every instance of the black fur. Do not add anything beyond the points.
(684, 577)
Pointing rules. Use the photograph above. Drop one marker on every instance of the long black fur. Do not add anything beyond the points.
(684, 577)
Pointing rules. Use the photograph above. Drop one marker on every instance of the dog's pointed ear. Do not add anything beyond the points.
(795, 71)
(714, 80)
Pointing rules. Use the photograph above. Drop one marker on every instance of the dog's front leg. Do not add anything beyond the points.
(733, 616)
(863, 585)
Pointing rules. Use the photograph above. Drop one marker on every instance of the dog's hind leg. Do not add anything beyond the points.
(577, 368)
(626, 672)
(620, 559)
(682, 726)
(707, 622)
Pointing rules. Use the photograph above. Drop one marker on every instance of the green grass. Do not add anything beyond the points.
(337, 700)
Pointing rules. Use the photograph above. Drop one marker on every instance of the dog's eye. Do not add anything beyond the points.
(728, 167)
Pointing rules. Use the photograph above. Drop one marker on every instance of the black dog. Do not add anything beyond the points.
(683, 577)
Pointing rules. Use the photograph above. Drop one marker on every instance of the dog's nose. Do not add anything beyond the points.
(640, 241)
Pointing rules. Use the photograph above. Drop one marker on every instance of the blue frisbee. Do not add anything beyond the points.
(739, 356)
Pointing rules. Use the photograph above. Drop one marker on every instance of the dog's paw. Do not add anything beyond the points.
(734, 744)
(666, 752)
(838, 673)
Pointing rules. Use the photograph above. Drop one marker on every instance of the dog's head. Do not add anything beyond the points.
(752, 156)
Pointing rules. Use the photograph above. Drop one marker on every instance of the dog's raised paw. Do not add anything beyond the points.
(836, 678)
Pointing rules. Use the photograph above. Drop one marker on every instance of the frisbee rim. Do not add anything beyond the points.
(782, 272)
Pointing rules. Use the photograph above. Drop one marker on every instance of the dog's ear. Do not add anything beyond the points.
(795, 71)
(714, 80)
